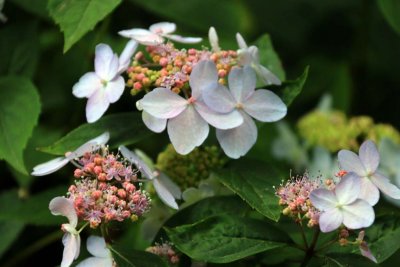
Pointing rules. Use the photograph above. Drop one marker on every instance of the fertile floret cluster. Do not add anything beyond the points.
(166, 251)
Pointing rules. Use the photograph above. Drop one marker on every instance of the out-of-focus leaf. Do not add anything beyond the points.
(124, 128)
(39, 7)
(9, 232)
(253, 181)
(32, 210)
(19, 53)
(19, 112)
(77, 17)
(281, 255)
(268, 56)
(133, 258)
(223, 239)
(344, 260)
(391, 11)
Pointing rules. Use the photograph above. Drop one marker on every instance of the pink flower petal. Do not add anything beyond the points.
(96, 246)
(358, 215)
(237, 142)
(49, 166)
(65, 207)
(369, 156)
(265, 106)
(219, 120)
(114, 89)
(163, 103)
(72, 244)
(369, 192)
(383, 183)
(203, 75)
(162, 28)
(96, 106)
(106, 62)
(330, 220)
(348, 189)
(155, 124)
(184, 40)
(349, 161)
(219, 99)
(187, 130)
(323, 199)
(242, 82)
(87, 85)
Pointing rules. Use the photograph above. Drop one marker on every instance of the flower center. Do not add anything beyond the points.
(239, 106)
(104, 83)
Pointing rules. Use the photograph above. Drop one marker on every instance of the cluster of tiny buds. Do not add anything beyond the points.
(359, 241)
(165, 250)
(104, 190)
(294, 196)
(172, 67)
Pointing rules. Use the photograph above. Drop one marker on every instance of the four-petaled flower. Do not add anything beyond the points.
(102, 256)
(105, 85)
(343, 205)
(167, 190)
(248, 56)
(365, 166)
(57, 163)
(71, 239)
(188, 118)
(261, 104)
(156, 34)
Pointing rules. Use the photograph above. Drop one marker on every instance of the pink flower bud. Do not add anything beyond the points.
(97, 170)
(96, 194)
(121, 193)
(78, 173)
(137, 85)
(163, 61)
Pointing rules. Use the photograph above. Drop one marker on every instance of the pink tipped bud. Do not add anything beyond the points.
(139, 55)
(126, 214)
(78, 173)
(137, 86)
(192, 51)
(72, 189)
(96, 194)
(97, 170)
(129, 187)
(174, 259)
(102, 177)
(140, 76)
(221, 73)
(163, 61)
(102, 185)
(121, 193)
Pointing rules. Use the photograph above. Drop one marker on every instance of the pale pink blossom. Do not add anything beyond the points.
(156, 34)
(342, 205)
(102, 256)
(365, 165)
(364, 249)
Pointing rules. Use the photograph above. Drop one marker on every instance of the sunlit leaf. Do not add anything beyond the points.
(391, 11)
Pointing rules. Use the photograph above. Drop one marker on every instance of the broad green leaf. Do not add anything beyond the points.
(223, 239)
(282, 255)
(9, 232)
(125, 257)
(391, 11)
(253, 181)
(77, 17)
(38, 8)
(346, 260)
(19, 113)
(32, 210)
(268, 56)
(124, 128)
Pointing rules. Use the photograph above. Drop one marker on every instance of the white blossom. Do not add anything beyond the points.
(102, 256)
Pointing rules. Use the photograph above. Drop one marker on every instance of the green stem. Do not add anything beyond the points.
(38, 245)
(311, 249)
(303, 236)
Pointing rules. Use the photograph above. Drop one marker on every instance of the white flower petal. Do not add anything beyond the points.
(241, 42)
(330, 220)
(142, 36)
(213, 38)
(162, 28)
(267, 76)
(369, 156)
(126, 55)
(164, 194)
(203, 75)
(237, 142)
(155, 124)
(218, 98)
(49, 166)
(71, 251)
(358, 215)
(140, 164)
(96, 106)
(348, 189)
(114, 89)
(133, 33)
(163, 103)
(170, 185)
(97, 246)
(90, 146)
(187, 130)
(369, 191)
(265, 106)
(96, 262)
(65, 207)
(323, 199)
(349, 161)
(242, 82)
(219, 120)
(87, 85)
(106, 62)
(383, 183)
(184, 40)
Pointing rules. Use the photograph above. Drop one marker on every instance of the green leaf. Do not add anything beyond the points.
(223, 239)
(391, 11)
(347, 260)
(19, 113)
(253, 181)
(38, 9)
(9, 232)
(77, 17)
(289, 90)
(125, 257)
(32, 210)
(125, 129)
(268, 56)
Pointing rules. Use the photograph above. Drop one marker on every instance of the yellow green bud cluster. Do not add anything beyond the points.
(189, 170)
(334, 131)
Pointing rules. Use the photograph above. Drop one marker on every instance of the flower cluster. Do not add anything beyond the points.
(166, 251)
(294, 195)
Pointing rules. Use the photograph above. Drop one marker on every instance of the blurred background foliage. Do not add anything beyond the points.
(351, 46)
